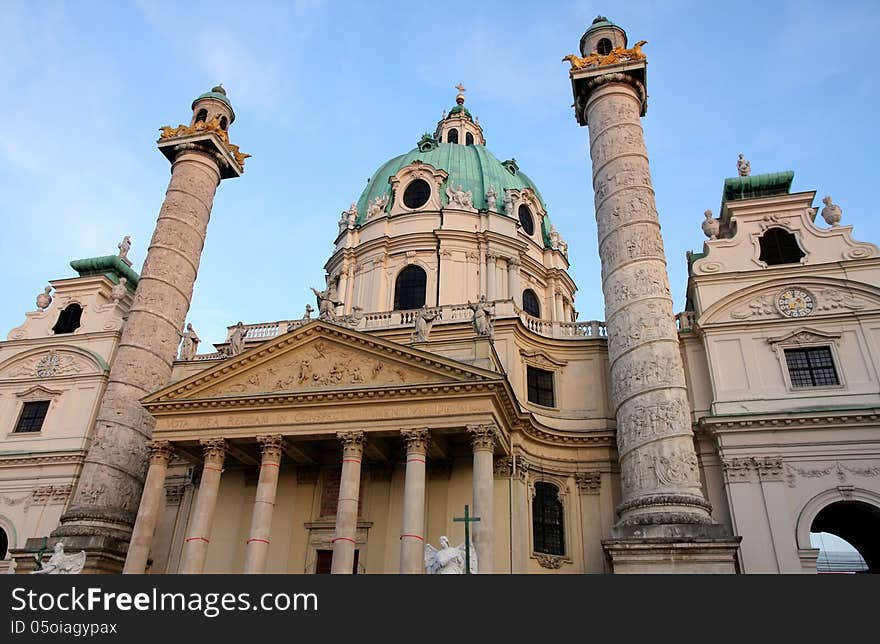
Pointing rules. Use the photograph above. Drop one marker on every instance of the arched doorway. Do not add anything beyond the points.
(858, 524)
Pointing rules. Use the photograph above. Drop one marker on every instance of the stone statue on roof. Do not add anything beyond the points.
(743, 166)
(831, 213)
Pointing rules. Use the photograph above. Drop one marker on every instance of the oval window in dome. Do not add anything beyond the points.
(525, 218)
(416, 194)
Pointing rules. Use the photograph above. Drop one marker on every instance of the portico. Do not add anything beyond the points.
(435, 417)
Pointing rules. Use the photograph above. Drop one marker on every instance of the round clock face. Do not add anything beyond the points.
(795, 302)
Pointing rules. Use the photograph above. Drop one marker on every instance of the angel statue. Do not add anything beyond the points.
(62, 564)
(448, 560)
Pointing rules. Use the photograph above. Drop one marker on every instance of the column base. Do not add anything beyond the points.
(104, 555)
(697, 553)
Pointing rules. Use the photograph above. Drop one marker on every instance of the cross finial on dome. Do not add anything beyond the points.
(461, 90)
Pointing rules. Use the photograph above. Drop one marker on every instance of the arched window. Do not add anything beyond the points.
(452, 137)
(4, 543)
(416, 194)
(603, 47)
(525, 218)
(223, 122)
(68, 320)
(531, 304)
(469, 139)
(409, 288)
(548, 532)
(202, 116)
(779, 246)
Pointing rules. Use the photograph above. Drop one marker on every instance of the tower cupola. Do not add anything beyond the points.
(213, 105)
(602, 36)
(459, 126)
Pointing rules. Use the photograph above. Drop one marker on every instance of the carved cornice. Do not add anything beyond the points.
(214, 450)
(864, 418)
(589, 482)
(416, 440)
(263, 400)
(352, 443)
(55, 459)
(482, 437)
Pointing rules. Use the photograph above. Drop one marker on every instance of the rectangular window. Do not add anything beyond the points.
(540, 384)
(813, 367)
(32, 416)
(325, 559)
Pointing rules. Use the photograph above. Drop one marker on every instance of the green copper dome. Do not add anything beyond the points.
(216, 92)
(471, 166)
(602, 21)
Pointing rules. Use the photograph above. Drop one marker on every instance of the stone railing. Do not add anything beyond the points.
(551, 329)
(216, 355)
(265, 330)
(685, 320)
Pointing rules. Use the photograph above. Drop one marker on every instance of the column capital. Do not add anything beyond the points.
(270, 447)
(482, 437)
(416, 440)
(352, 443)
(513, 261)
(214, 449)
(160, 451)
(589, 482)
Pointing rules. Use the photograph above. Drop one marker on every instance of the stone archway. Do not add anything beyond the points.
(852, 515)
(856, 522)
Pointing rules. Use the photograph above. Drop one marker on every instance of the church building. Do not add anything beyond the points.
(442, 383)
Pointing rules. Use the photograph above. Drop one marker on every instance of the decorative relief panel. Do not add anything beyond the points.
(321, 365)
(843, 473)
(639, 323)
(639, 241)
(51, 364)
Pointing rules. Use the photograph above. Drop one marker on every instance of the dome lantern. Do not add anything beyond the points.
(459, 126)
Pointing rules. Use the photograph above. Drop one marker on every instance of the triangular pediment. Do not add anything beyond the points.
(321, 357)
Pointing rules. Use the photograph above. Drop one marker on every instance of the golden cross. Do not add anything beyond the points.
(459, 88)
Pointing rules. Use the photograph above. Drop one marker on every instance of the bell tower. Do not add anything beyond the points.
(662, 497)
(102, 511)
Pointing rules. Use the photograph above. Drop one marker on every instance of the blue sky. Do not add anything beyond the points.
(325, 92)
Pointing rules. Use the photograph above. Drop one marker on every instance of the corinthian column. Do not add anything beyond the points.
(347, 506)
(151, 505)
(195, 548)
(110, 485)
(257, 548)
(412, 539)
(483, 442)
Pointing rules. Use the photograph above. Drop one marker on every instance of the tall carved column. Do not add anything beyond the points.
(195, 548)
(513, 281)
(257, 547)
(110, 485)
(660, 479)
(151, 505)
(483, 442)
(412, 538)
(347, 507)
(491, 271)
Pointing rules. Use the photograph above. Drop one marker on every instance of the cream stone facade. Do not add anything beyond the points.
(713, 440)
